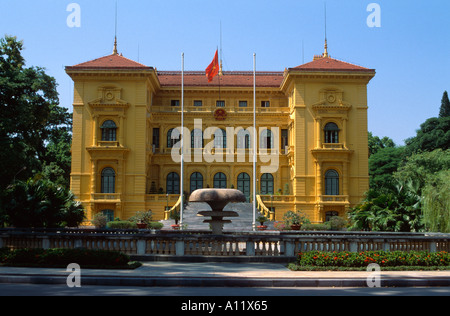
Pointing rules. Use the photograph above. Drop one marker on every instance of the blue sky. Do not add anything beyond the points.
(410, 51)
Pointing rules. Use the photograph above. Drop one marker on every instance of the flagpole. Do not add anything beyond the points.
(182, 142)
(255, 146)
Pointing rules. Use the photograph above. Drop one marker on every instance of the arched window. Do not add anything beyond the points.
(332, 182)
(266, 139)
(267, 184)
(220, 138)
(172, 138)
(108, 180)
(331, 133)
(197, 138)
(243, 139)
(220, 181)
(196, 181)
(109, 215)
(243, 184)
(109, 129)
(173, 183)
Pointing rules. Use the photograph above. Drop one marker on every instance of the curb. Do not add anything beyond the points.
(223, 282)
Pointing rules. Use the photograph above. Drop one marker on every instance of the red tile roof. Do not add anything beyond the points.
(113, 61)
(229, 79)
(330, 64)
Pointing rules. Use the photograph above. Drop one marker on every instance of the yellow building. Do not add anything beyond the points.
(311, 128)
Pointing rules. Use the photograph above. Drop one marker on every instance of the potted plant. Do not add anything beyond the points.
(262, 219)
(295, 219)
(141, 225)
(142, 219)
(156, 225)
(175, 215)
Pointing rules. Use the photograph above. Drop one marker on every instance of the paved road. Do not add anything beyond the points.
(223, 292)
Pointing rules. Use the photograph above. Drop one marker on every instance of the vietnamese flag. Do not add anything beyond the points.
(213, 68)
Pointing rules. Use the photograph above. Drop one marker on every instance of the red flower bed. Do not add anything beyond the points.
(382, 258)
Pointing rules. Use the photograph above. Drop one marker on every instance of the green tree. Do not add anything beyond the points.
(394, 209)
(445, 106)
(30, 116)
(430, 172)
(436, 202)
(376, 143)
(383, 164)
(57, 162)
(433, 134)
(422, 167)
(41, 203)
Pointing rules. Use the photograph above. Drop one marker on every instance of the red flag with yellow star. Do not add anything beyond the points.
(213, 68)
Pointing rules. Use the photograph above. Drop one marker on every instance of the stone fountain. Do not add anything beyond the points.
(217, 199)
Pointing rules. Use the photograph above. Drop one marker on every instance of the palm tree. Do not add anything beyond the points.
(395, 209)
(41, 203)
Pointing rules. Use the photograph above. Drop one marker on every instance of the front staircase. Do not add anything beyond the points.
(241, 223)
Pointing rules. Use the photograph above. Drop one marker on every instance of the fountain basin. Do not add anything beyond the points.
(217, 199)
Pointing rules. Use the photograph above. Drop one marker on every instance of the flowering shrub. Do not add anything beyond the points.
(280, 226)
(382, 258)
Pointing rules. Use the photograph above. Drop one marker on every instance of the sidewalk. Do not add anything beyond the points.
(212, 274)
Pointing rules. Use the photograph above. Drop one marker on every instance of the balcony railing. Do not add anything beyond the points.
(102, 143)
(162, 197)
(278, 198)
(224, 151)
(184, 243)
(109, 197)
(210, 109)
(332, 146)
(343, 199)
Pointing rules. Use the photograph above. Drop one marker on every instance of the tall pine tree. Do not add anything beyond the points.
(445, 106)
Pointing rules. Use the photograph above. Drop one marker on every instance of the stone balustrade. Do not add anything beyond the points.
(267, 245)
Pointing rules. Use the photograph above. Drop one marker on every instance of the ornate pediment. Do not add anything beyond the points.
(109, 99)
(331, 99)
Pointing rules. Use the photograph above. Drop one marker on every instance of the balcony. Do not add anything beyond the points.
(337, 149)
(278, 198)
(105, 197)
(211, 109)
(108, 144)
(165, 198)
(103, 149)
(224, 151)
(334, 199)
(333, 146)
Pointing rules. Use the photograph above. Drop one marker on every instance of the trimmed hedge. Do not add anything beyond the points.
(316, 227)
(63, 257)
(155, 225)
(382, 258)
